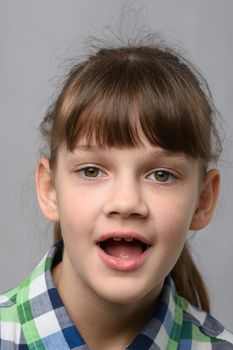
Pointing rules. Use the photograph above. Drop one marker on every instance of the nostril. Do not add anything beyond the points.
(126, 206)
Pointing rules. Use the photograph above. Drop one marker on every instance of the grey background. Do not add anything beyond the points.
(36, 38)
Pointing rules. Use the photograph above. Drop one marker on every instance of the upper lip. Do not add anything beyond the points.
(124, 234)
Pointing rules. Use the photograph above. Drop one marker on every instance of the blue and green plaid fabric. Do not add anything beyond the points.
(32, 316)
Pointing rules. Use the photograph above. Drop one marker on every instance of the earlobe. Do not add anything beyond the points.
(45, 188)
(207, 200)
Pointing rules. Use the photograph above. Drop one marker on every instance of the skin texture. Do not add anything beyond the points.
(94, 191)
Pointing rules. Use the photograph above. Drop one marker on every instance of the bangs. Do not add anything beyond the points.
(113, 101)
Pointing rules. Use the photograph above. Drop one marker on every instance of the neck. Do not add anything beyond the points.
(102, 324)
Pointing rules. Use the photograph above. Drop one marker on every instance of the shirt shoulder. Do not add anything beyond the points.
(22, 305)
(8, 297)
(10, 327)
(199, 327)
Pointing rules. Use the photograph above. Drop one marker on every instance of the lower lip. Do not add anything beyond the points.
(120, 264)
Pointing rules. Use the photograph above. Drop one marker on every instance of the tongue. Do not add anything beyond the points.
(123, 249)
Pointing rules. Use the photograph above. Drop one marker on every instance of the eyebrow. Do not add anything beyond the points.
(154, 153)
(89, 148)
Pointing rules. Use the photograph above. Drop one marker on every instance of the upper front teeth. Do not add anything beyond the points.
(117, 239)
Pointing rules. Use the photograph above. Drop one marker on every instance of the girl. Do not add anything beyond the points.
(130, 137)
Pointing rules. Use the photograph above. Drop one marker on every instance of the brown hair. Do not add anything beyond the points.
(112, 93)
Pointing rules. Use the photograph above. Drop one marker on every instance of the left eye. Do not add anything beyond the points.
(90, 172)
(161, 176)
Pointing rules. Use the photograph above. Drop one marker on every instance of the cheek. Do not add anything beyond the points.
(173, 219)
(77, 211)
(170, 238)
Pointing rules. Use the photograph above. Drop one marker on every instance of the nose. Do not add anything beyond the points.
(126, 200)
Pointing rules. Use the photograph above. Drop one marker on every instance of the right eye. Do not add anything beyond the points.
(90, 172)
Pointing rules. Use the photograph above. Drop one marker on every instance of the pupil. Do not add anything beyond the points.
(91, 172)
(161, 176)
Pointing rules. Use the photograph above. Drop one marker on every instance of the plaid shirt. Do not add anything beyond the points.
(32, 316)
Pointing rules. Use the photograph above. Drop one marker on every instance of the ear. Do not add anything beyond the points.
(207, 200)
(46, 192)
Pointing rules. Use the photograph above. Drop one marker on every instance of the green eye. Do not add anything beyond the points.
(161, 176)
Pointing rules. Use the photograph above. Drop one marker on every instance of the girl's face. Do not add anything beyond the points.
(124, 215)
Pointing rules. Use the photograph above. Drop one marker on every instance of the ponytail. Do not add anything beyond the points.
(188, 281)
(57, 235)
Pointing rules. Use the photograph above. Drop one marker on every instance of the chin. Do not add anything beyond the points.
(125, 295)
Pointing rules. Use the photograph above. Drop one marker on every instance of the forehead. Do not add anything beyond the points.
(143, 149)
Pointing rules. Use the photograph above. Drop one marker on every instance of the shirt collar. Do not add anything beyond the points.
(45, 321)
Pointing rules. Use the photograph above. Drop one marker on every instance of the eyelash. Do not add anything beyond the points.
(160, 172)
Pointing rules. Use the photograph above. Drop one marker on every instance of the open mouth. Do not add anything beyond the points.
(123, 248)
